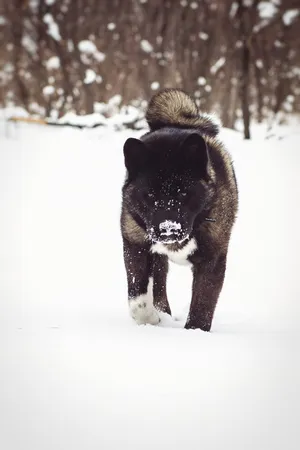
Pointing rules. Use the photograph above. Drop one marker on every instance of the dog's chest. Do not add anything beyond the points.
(180, 256)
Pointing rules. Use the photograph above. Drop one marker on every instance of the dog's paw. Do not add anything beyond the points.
(143, 312)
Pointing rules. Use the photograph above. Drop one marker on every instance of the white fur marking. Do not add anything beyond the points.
(142, 309)
(178, 257)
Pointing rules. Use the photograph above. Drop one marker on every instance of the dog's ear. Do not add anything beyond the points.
(135, 154)
(196, 154)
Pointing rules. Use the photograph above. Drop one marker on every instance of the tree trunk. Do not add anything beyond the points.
(245, 89)
(245, 70)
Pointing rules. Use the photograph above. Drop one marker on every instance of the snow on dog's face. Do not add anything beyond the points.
(167, 182)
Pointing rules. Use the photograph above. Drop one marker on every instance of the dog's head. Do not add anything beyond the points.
(167, 182)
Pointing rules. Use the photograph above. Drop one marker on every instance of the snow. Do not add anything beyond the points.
(2, 20)
(217, 66)
(53, 63)
(201, 81)
(146, 46)
(194, 5)
(48, 90)
(70, 45)
(155, 85)
(90, 76)
(115, 116)
(53, 29)
(88, 120)
(116, 100)
(87, 47)
(126, 115)
(102, 108)
(168, 227)
(203, 36)
(76, 371)
(233, 10)
(34, 4)
(99, 56)
(29, 44)
(36, 109)
(278, 44)
(111, 26)
(110, 115)
(289, 16)
(50, 2)
(8, 69)
(267, 10)
(13, 111)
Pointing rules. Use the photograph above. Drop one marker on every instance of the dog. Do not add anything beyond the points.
(179, 202)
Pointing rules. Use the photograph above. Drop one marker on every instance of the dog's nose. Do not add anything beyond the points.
(169, 227)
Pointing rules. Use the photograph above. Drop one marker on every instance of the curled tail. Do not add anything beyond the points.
(175, 108)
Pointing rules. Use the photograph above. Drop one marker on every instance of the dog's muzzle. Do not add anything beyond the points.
(168, 232)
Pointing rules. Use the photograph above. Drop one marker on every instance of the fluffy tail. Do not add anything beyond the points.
(175, 108)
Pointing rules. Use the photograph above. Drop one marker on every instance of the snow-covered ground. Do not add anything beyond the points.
(76, 372)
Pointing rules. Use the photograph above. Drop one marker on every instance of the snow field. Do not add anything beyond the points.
(76, 372)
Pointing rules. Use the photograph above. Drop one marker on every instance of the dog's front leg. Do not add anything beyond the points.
(138, 263)
(160, 272)
(207, 284)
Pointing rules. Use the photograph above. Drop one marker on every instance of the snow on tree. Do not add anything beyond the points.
(53, 29)
(132, 48)
(146, 46)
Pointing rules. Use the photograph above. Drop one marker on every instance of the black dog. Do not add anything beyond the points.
(179, 202)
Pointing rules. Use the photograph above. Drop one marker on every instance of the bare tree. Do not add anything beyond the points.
(238, 58)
